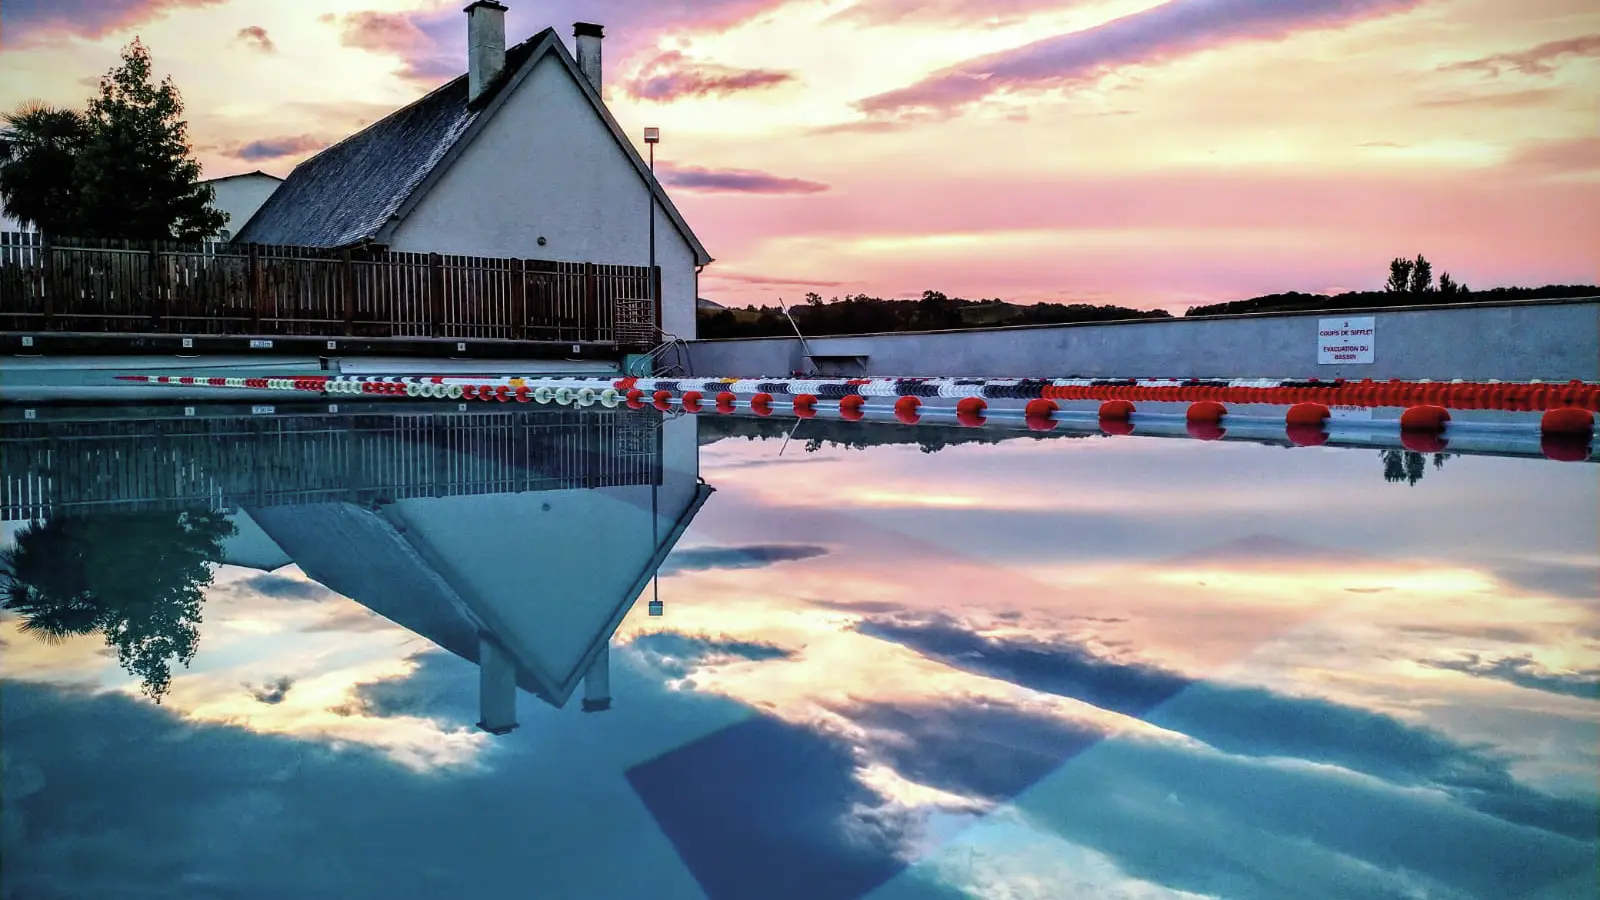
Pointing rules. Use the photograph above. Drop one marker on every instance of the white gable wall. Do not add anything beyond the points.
(547, 569)
(546, 166)
(241, 196)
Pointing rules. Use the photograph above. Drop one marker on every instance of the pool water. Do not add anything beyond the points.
(416, 654)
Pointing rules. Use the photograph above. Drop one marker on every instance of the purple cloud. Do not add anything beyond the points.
(1540, 60)
(432, 44)
(276, 148)
(24, 22)
(408, 37)
(1173, 29)
(256, 38)
(735, 181)
(993, 14)
(669, 76)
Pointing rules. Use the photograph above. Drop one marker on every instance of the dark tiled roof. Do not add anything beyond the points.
(348, 192)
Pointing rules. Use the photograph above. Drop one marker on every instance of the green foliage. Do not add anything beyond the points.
(1399, 276)
(1295, 301)
(1421, 275)
(39, 149)
(131, 174)
(137, 579)
(933, 311)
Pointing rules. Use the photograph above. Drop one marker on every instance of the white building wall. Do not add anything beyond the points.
(9, 224)
(240, 197)
(546, 166)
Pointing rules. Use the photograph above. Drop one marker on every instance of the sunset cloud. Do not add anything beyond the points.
(671, 76)
(1540, 60)
(276, 148)
(402, 36)
(1152, 153)
(1173, 29)
(256, 38)
(33, 21)
(942, 12)
(739, 181)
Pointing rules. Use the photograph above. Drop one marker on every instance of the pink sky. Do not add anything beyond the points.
(1132, 151)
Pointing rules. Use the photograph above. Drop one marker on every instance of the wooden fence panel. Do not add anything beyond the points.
(215, 288)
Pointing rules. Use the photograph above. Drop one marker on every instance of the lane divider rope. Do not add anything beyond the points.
(1568, 407)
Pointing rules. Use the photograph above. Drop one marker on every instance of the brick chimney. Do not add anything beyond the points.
(588, 36)
(486, 46)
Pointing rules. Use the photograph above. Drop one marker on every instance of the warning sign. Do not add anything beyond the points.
(1344, 341)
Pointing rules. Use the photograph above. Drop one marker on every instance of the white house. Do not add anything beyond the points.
(239, 196)
(529, 586)
(519, 157)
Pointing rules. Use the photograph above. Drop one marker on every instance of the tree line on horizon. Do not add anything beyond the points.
(121, 168)
(1410, 283)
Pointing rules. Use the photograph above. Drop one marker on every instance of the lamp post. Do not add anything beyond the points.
(652, 136)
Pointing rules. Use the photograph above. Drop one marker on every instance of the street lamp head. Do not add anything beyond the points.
(652, 135)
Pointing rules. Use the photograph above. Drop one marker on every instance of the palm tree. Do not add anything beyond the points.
(39, 147)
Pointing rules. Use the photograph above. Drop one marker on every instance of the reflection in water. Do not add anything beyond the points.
(138, 579)
(1408, 465)
(515, 540)
(903, 662)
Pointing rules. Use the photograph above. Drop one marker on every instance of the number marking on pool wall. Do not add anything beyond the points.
(1345, 341)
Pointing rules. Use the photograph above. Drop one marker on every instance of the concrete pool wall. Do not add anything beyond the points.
(1552, 340)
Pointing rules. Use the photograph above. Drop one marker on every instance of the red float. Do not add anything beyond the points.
(1116, 409)
(1564, 447)
(1307, 435)
(1424, 418)
(1205, 411)
(1307, 414)
(1567, 420)
(1041, 409)
(1423, 441)
(1116, 426)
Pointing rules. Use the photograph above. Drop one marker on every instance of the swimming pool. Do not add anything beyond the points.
(880, 660)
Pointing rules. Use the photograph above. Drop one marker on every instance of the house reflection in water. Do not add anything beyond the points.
(516, 539)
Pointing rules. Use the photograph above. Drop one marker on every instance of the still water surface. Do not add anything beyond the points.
(1034, 668)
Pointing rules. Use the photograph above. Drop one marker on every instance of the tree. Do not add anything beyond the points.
(39, 148)
(1448, 285)
(136, 175)
(1399, 276)
(137, 579)
(814, 299)
(1421, 275)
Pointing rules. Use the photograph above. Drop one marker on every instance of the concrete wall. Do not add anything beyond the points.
(547, 166)
(1551, 340)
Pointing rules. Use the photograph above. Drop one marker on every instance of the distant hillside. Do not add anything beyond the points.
(1296, 301)
(860, 314)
